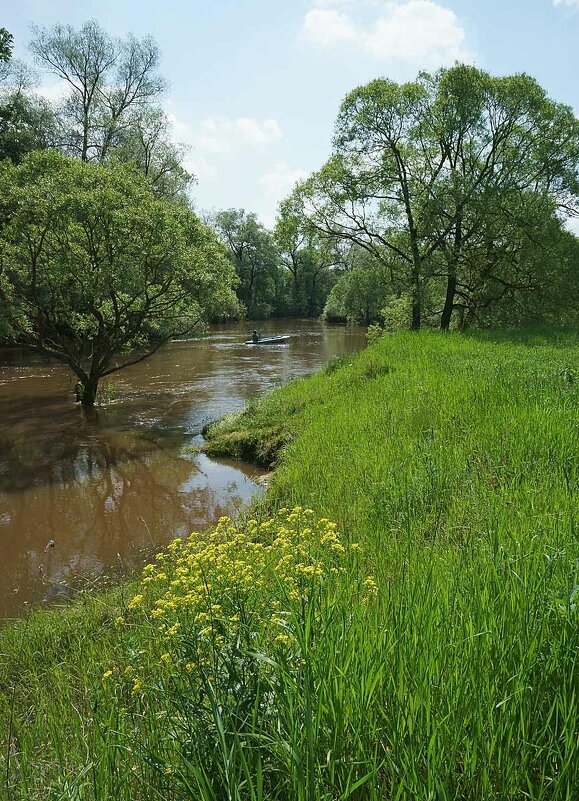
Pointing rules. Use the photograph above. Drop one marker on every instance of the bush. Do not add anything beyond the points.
(397, 314)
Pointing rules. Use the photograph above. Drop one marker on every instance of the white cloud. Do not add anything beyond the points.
(571, 3)
(54, 92)
(280, 180)
(328, 28)
(199, 167)
(218, 137)
(224, 135)
(276, 184)
(421, 33)
(194, 162)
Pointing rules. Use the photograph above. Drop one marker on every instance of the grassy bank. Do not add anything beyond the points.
(426, 648)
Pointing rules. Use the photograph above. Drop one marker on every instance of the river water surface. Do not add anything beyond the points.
(85, 495)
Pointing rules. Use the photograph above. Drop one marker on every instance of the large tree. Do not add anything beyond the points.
(417, 167)
(109, 82)
(93, 265)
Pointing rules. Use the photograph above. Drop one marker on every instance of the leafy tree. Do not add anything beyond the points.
(6, 43)
(309, 260)
(360, 295)
(93, 265)
(147, 144)
(26, 123)
(253, 252)
(111, 82)
(417, 167)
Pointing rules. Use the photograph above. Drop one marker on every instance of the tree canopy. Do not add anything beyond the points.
(443, 180)
(93, 265)
(6, 42)
(253, 253)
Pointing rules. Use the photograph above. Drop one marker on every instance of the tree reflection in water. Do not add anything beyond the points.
(111, 486)
(121, 496)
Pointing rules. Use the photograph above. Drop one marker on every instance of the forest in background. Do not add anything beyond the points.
(444, 202)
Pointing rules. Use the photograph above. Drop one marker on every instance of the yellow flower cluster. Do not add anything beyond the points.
(205, 589)
(243, 586)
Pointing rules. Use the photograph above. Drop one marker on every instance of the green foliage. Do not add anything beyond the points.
(441, 663)
(147, 143)
(26, 124)
(456, 183)
(374, 333)
(360, 294)
(6, 42)
(93, 265)
(397, 314)
(306, 257)
(252, 251)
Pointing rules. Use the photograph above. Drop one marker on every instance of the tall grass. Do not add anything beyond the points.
(454, 462)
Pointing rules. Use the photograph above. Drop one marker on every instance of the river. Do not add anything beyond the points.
(86, 497)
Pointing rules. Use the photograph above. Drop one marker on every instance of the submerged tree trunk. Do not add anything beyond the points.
(89, 392)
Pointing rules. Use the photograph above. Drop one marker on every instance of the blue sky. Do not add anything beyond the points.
(255, 85)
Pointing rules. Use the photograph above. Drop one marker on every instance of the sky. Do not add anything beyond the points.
(255, 85)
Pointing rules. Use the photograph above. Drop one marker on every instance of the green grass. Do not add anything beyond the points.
(454, 461)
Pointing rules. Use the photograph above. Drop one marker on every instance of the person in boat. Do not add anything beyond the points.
(254, 336)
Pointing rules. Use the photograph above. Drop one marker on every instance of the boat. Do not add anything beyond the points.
(268, 340)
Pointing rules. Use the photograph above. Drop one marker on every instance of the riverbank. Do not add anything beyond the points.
(112, 486)
(425, 648)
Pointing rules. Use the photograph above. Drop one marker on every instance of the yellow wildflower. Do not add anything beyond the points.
(371, 585)
(135, 601)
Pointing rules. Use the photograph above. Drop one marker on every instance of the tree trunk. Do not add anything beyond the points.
(416, 271)
(89, 392)
(448, 303)
(451, 283)
(416, 303)
(413, 233)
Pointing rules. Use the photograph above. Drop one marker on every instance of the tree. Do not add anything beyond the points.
(26, 123)
(253, 252)
(360, 295)
(416, 168)
(93, 265)
(110, 81)
(306, 256)
(6, 43)
(147, 144)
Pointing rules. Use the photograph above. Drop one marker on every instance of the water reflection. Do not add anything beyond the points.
(109, 486)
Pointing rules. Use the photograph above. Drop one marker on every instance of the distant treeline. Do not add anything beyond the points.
(444, 202)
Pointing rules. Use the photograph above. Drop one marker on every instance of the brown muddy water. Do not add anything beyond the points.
(88, 496)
